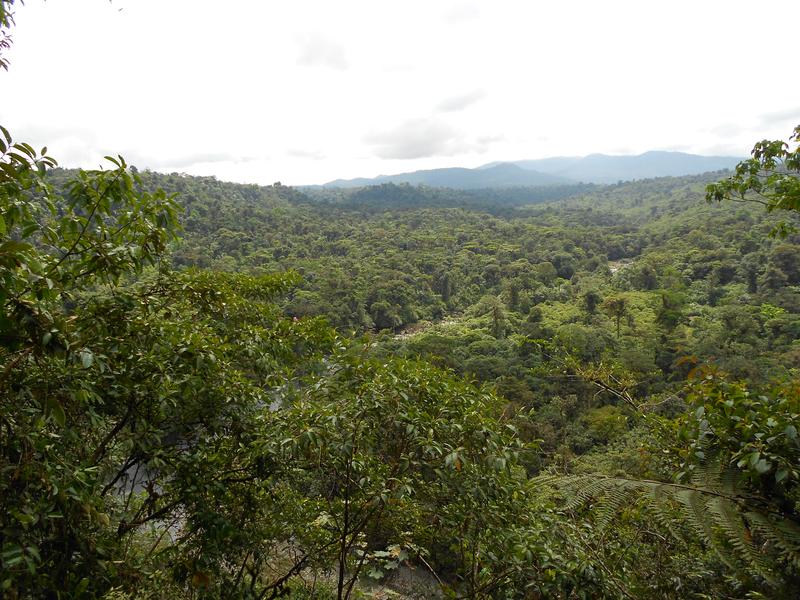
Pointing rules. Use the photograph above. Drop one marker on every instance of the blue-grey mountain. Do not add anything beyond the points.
(499, 175)
(604, 168)
(594, 168)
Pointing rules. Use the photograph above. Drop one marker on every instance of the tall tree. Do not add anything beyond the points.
(617, 308)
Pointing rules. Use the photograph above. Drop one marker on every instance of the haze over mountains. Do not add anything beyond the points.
(594, 168)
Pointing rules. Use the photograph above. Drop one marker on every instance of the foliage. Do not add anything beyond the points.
(758, 544)
(114, 396)
(771, 177)
(375, 446)
(6, 21)
(752, 432)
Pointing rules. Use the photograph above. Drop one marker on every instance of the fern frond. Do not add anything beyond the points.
(660, 502)
(584, 491)
(695, 513)
(729, 481)
(733, 525)
(730, 521)
(614, 498)
(707, 475)
(782, 534)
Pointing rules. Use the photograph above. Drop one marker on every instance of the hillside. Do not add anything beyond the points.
(517, 354)
(390, 264)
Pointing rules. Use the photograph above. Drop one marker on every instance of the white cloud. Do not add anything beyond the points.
(355, 88)
(303, 153)
(317, 50)
(417, 138)
(430, 137)
(462, 101)
(461, 12)
(790, 116)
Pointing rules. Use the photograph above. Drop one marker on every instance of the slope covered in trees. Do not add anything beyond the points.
(581, 318)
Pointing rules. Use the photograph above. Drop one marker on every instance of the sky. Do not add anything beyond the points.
(304, 92)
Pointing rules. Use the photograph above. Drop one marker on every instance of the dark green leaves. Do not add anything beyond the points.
(771, 177)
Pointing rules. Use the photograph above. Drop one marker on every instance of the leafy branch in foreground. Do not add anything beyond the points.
(770, 178)
(6, 21)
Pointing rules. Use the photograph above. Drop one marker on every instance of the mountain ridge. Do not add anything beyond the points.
(556, 170)
(499, 175)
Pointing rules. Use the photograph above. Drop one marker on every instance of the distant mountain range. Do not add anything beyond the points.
(489, 176)
(594, 168)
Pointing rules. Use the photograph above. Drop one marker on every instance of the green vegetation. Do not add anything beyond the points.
(211, 390)
(205, 429)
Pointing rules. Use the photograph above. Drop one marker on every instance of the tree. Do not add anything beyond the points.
(52, 253)
(771, 178)
(617, 309)
(6, 21)
(125, 393)
(591, 301)
(374, 449)
(670, 311)
(786, 258)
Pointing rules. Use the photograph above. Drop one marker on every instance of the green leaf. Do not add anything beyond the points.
(82, 586)
(14, 246)
(56, 411)
(87, 358)
(29, 229)
(763, 466)
(13, 561)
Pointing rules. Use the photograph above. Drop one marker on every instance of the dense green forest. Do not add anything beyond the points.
(216, 390)
(589, 396)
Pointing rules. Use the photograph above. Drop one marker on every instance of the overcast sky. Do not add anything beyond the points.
(307, 91)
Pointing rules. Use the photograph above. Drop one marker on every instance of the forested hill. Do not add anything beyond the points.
(415, 261)
(368, 270)
(404, 195)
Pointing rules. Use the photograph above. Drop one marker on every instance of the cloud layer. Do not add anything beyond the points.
(320, 90)
(317, 50)
(462, 101)
(417, 138)
(427, 138)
